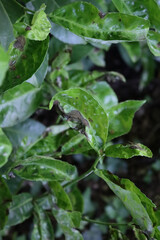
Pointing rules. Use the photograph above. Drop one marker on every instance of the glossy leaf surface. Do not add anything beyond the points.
(18, 103)
(5, 148)
(26, 57)
(78, 106)
(6, 28)
(40, 26)
(133, 199)
(128, 151)
(4, 62)
(5, 198)
(84, 19)
(68, 221)
(42, 228)
(121, 117)
(40, 168)
(20, 209)
(62, 199)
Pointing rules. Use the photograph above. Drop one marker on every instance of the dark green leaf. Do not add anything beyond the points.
(85, 20)
(18, 103)
(51, 5)
(133, 199)
(20, 209)
(116, 234)
(128, 151)
(133, 49)
(42, 228)
(26, 57)
(4, 64)
(40, 26)
(68, 221)
(138, 234)
(78, 106)
(121, 117)
(5, 198)
(5, 148)
(40, 168)
(76, 199)
(62, 199)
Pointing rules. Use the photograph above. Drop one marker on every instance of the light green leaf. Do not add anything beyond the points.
(4, 64)
(133, 199)
(65, 35)
(77, 144)
(104, 93)
(40, 26)
(128, 151)
(121, 117)
(6, 28)
(68, 221)
(26, 57)
(51, 5)
(20, 209)
(133, 50)
(78, 106)
(18, 103)
(42, 228)
(62, 199)
(5, 148)
(39, 168)
(139, 234)
(85, 20)
(5, 198)
(97, 57)
(153, 40)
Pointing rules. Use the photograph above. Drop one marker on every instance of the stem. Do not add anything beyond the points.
(106, 223)
(84, 175)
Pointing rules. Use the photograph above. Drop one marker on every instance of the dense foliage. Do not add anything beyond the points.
(52, 60)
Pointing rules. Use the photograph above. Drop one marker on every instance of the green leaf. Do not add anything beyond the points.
(97, 57)
(139, 234)
(76, 199)
(85, 20)
(40, 26)
(26, 58)
(5, 198)
(121, 117)
(77, 144)
(65, 35)
(39, 168)
(128, 151)
(104, 93)
(68, 221)
(21, 209)
(133, 199)
(29, 129)
(134, 51)
(13, 9)
(153, 40)
(116, 234)
(5, 148)
(51, 5)
(6, 28)
(42, 228)
(78, 106)
(18, 103)
(4, 63)
(62, 199)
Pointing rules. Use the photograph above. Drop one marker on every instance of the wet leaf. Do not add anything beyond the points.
(133, 199)
(78, 106)
(42, 228)
(62, 199)
(18, 103)
(5, 148)
(42, 168)
(6, 28)
(128, 151)
(85, 20)
(4, 64)
(40, 26)
(26, 58)
(121, 117)
(20, 209)
(5, 198)
(68, 221)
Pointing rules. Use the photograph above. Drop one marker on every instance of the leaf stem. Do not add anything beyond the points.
(106, 223)
(84, 175)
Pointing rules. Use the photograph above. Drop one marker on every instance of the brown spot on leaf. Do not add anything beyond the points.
(28, 28)
(90, 119)
(102, 15)
(72, 149)
(12, 65)
(23, 56)
(20, 43)
(111, 131)
(158, 45)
